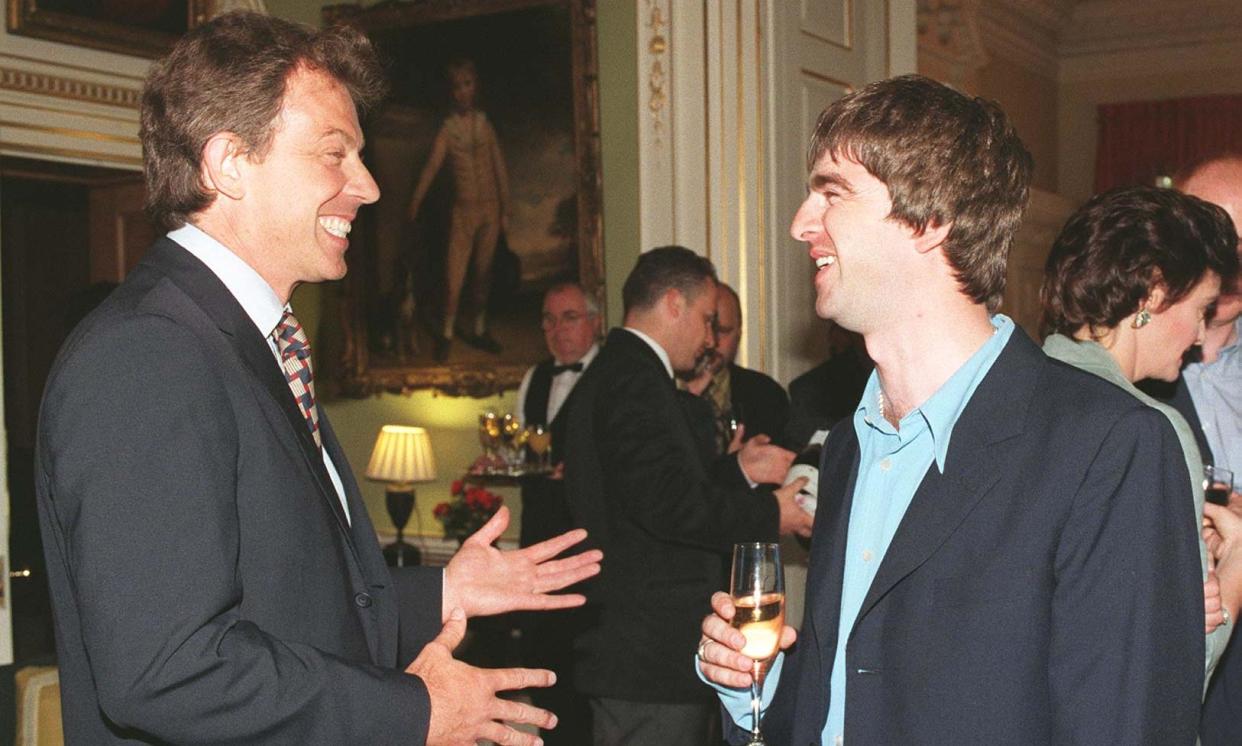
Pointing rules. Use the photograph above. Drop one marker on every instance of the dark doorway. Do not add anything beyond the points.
(64, 230)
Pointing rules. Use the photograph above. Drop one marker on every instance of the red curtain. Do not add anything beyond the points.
(1145, 139)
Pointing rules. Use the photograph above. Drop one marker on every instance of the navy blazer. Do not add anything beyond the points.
(1044, 589)
(205, 584)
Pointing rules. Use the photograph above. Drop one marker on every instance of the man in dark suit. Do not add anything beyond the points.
(214, 574)
(829, 392)
(739, 397)
(637, 481)
(1004, 552)
(571, 329)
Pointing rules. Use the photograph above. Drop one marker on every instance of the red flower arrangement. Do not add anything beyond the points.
(470, 508)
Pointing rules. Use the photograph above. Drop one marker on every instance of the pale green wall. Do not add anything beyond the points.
(451, 421)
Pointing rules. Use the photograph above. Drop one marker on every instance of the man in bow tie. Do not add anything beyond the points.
(214, 575)
(571, 327)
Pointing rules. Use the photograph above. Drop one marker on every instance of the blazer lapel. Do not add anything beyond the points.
(838, 472)
(974, 463)
(202, 285)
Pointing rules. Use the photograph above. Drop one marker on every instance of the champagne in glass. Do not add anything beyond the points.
(539, 439)
(489, 432)
(1217, 484)
(757, 585)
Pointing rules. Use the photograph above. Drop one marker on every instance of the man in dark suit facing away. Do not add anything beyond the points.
(1003, 552)
(637, 479)
(214, 575)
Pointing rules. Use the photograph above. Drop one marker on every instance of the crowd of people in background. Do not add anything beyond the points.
(1009, 544)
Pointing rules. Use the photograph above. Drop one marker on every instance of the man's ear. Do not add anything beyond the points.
(932, 236)
(674, 302)
(223, 165)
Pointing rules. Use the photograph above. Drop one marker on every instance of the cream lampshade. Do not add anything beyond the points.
(402, 457)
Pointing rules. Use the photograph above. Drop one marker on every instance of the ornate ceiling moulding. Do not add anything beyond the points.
(1025, 32)
(68, 88)
(950, 45)
(1103, 26)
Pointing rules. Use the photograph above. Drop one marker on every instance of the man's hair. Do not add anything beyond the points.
(592, 304)
(947, 159)
(1123, 243)
(460, 65)
(662, 269)
(230, 75)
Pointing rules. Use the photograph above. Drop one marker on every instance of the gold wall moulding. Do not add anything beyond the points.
(69, 154)
(72, 132)
(69, 88)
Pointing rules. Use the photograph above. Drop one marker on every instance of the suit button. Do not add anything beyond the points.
(362, 600)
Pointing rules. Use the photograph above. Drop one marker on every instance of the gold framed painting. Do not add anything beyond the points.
(486, 152)
(143, 28)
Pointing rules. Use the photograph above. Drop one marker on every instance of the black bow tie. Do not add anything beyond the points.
(559, 369)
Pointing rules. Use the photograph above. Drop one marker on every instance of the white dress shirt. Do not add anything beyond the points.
(562, 384)
(256, 298)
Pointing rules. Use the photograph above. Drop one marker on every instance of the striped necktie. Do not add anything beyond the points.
(295, 359)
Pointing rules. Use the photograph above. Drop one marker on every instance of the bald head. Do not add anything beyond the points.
(1220, 181)
(728, 324)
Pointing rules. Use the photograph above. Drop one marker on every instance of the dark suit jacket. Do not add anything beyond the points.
(758, 402)
(825, 394)
(1045, 589)
(204, 583)
(637, 482)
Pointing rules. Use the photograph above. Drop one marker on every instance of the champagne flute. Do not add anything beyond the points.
(539, 439)
(757, 585)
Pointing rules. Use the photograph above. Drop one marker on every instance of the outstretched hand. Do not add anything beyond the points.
(481, 579)
(464, 705)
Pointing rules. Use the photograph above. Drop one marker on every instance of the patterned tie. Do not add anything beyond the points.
(295, 359)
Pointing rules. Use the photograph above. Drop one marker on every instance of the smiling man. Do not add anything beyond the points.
(1003, 549)
(214, 574)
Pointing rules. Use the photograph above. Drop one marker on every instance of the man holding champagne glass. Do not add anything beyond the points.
(1003, 551)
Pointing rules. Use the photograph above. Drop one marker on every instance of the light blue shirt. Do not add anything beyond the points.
(892, 465)
(1216, 389)
(256, 298)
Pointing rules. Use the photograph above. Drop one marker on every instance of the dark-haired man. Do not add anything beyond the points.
(988, 508)
(214, 574)
(638, 481)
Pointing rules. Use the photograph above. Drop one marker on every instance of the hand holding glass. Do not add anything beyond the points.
(757, 585)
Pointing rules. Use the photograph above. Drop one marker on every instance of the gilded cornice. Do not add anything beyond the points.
(73, 89)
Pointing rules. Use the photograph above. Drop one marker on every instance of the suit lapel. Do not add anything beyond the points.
(198, 282)
(975, 462)
(838, 474)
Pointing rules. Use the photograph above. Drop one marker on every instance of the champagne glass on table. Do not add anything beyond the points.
(757, 585)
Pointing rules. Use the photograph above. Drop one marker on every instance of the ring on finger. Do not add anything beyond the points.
(702, 647)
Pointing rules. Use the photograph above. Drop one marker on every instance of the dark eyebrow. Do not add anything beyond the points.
(333, 131)
(821, 181)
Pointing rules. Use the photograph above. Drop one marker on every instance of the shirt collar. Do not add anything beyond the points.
(942, 409)
(655, 346)
(256, 297)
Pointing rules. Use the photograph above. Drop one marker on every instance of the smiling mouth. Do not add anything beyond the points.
(825, 261)
(338, 227)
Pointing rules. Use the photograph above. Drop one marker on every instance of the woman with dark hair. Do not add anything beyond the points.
(1127, 288)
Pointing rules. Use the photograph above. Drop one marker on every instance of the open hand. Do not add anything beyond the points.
(464, 705)
(481, 579)
(720, 656)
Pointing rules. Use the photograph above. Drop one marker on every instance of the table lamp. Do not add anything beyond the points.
(402, 458)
